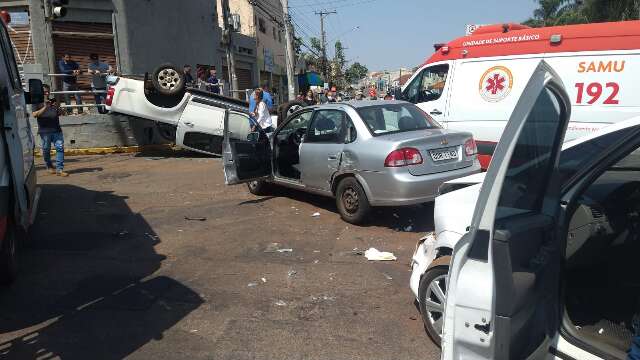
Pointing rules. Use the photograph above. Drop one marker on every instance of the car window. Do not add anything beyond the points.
(328, 126)
(574, 158)
(527, 175)
(412, 90)
(239, 126)
(9, 59)
(298, 122)
(393, 118)
(433, 80)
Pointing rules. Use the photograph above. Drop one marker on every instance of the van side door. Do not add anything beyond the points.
(16, 128)
(429, 89)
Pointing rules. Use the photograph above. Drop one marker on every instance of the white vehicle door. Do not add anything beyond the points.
(503, 296)
(429, 89)
(201, 126)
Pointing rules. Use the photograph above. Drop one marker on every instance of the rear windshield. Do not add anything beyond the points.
(394, 118)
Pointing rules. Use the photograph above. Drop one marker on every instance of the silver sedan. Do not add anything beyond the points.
(362, 153)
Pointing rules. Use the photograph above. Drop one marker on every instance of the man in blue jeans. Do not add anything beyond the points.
(71, 69)
(48, 116)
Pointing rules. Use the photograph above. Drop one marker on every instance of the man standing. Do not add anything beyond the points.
(188, 78)
(98, 71)
(266, 97)
(48, 116)
(69, 82)
(213, 82)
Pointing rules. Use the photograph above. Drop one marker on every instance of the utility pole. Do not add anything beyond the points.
(227, 38)
(324, 41)
(288, 36)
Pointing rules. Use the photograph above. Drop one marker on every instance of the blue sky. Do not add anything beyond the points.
(394, 33)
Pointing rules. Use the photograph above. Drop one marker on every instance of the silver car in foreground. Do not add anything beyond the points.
(363, 153)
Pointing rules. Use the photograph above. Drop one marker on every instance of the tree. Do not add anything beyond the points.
(355, 72)
(312, 54)
(338, 65)
(563, 12)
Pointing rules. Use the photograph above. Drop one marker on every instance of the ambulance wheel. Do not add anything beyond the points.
(432, 294)
(168, 79)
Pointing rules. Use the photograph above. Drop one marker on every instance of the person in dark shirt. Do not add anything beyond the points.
(213, 82)
(48, 116)
(188, 78)
(70, 82)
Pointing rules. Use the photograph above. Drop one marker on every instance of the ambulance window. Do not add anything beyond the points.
(434, 79)
(412, 91)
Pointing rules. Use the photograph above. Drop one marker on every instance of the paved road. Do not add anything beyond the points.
(113, 269)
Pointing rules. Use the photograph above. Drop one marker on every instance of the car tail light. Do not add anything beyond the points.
(110, 92)
(403, 157)
(470, 147)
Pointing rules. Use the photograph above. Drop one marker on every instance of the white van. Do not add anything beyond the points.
(473, 83)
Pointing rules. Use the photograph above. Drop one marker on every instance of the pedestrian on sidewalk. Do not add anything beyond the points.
(99, 71)
(71, 69)
(188, 78)
(266, 97)
(212, 82)
(48, 116)
(261, 113)
(310, 98)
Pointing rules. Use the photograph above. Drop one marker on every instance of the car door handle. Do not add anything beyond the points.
(435, 112)
(189, 124)
(333, 157)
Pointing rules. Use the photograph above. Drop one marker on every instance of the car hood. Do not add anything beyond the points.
(453, 211)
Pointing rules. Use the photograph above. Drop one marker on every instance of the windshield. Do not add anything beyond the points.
(393, 118)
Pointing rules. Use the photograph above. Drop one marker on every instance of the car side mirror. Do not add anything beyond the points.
(36, 92)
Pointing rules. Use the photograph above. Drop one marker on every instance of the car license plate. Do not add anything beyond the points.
(444, 154)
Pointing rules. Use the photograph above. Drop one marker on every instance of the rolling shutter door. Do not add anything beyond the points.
(244, 78)
(80, 40)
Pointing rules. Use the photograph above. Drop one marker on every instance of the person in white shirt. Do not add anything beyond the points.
(261, 113)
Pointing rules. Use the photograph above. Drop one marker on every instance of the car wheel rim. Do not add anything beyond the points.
(168, 79)
(293, 109)
(434, 302)
(350, 200)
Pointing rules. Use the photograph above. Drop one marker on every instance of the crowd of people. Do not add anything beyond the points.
(98, 70)
(332, 95)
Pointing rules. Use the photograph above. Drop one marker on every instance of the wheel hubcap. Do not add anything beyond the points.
(434, 302)
(350, 200)
(168, 79)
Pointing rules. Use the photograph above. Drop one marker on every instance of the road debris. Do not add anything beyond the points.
(195, 218)
(252, 284)
(315, 214)
(291, 273)
(374, 254)
(263, 280)
(284, 250)
(280, 303)
(408, 228)
(387, 276)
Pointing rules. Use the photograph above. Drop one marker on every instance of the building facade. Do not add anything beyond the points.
(263, 23)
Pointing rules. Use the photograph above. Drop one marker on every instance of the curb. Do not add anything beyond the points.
(110, 150)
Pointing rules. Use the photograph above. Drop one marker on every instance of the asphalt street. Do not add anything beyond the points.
(151, 256)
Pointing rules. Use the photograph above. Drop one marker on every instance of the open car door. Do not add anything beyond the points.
(503, 296)
(246, 155)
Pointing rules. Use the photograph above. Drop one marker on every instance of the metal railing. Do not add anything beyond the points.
(78, 92)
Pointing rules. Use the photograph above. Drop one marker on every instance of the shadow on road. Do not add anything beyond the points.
(415, 218)
(85, 288)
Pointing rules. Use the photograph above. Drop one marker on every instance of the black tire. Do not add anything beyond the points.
(8, 261)
(289, 108)
(352, 201)
(258, 187)
(168, 80)
(428, 316)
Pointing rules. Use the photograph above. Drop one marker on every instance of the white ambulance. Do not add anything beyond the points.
(473, 83)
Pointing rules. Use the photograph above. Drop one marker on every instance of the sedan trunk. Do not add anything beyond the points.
(441, 149)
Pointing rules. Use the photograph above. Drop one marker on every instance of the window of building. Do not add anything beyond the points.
(280, 36)
(274, 33)
(262, 26)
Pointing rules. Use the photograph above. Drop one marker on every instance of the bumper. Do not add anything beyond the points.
(402, 188)
(422, 257)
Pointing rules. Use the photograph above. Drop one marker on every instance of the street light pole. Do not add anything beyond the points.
(324, 41)
(289, 47)
(231, 60)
